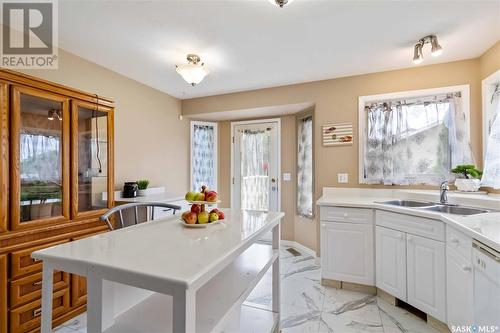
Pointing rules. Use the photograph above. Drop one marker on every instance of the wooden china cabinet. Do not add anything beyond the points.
(56, 166)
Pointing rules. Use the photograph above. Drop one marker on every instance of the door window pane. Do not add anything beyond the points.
(305, 166)
(203, 155)
(92, 159)
(255, 151)
(40, 154)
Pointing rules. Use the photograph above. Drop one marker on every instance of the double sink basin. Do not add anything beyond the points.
(436, 207)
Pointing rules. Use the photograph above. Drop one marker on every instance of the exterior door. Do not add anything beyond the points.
(390, 261)
(427, 276)
(255, 183)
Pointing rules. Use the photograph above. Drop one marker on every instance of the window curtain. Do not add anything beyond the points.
(305, 166)
(415, 143)
(255, 149)
(203, 157)
(491, 172)
(40, 157)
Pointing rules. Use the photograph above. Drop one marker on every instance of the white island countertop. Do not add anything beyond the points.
(165, 249)
(482, 227)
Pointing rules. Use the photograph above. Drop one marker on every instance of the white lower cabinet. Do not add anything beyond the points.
(347, 252)
(459, 289)
(426, 273)
(390, 261)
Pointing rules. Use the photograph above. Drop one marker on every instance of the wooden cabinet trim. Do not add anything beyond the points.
(61, 281)
(16, 266)
(3, 294)
(35, 82)
(75, 214)
(4, 155)
(15, 180)
(34, 322)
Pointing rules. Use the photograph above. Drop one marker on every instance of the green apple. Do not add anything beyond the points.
(199, 197)
(213, 217)
(203, 217)
(190, 196)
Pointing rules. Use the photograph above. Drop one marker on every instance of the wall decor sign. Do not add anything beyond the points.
(337, 134)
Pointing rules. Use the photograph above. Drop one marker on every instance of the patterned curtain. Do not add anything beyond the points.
(305, 167)
(491, 172)
(255, 149)
(203, 156)
(415, 143)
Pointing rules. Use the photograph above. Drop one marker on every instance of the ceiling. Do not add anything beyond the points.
(253, 44)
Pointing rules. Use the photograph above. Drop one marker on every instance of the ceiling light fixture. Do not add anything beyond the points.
(194, 71)
(436, 49)
(51, 115)
(280, 3)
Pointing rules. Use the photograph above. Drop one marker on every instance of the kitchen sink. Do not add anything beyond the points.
(408, 203)
(458, 210)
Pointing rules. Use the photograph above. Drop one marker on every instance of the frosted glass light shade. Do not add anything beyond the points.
(192, 73)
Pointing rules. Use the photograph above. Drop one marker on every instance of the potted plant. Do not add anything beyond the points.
(468, 177)
(142, 185)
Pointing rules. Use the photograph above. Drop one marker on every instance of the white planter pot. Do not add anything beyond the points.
(468, 185)
(142, 193)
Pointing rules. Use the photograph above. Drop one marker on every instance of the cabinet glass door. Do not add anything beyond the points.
(39, 158)
(4, 160)
(92, 167)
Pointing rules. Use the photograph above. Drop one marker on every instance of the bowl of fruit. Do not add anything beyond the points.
(198, 216)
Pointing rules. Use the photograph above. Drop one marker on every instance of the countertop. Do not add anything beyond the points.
(482, 227)
(164, 249)
(164, 197)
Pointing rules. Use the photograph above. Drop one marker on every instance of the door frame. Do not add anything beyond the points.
(250, 122)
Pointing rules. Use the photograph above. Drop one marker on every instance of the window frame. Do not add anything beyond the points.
(216, 146)
(409, 94)
(298, 117)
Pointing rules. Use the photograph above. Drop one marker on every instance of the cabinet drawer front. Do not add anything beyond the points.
(459, 242)
(78, 290)
(27, 317)
(343, 214)
(30, 288)
(411, 224)
(21, 262)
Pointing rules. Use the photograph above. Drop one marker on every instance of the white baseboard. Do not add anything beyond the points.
(299, 247)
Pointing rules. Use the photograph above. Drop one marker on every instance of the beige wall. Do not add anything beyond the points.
(490, 61)
(150, 141)
(336, 100)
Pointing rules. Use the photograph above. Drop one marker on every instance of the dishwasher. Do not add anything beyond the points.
(486, 287)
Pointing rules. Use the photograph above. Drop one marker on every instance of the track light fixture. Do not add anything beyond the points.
(54, 114)
(436, 49)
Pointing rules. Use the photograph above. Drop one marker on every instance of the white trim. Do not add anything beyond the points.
(363, 100)
(249, 122)
(216, 144)
(301, 248)
(487, 89)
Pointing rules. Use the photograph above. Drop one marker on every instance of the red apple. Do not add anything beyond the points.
(196, 208)
(221, 214)
(191, 218)
(215, 210)
(211, 196)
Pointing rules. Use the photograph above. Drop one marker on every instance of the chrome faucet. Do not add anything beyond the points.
(443, 190)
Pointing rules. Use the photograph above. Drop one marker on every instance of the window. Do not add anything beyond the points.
(491, 131)
(305, 168)
(203, 155)
(414, 137)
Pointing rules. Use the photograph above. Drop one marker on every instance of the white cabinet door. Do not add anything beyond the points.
(426, 273)
(347, 252)
(459, 289)
(391, 261)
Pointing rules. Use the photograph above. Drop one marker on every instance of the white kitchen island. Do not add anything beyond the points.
(193, 280)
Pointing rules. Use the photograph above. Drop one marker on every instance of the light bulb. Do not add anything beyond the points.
(417, 54)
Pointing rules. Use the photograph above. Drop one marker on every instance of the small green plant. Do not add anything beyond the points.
(468, 171)
(143, 184)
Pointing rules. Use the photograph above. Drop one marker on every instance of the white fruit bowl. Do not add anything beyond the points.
(200, 225)
(204, 202)
(467, 185)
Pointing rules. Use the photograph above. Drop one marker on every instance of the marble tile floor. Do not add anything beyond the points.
(308, 306)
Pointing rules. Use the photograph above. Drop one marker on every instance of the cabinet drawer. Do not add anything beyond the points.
(343, 214)
(459, 242)
(21, 262)
(415, 225)
(29, 288)
(27, 317)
